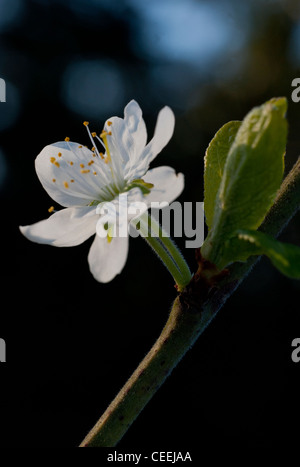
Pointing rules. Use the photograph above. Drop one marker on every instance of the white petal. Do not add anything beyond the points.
(106, 260)
(69, 179)
(129, 133)
(167, 184)
(162, 134)
(127, 139)
(68, 227)
(121, 145)
(136, 125)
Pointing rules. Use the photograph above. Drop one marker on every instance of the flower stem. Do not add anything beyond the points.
(188, 319)
(166, 249)
(173, 251)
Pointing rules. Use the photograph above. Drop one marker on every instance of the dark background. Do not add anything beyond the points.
(72, 342)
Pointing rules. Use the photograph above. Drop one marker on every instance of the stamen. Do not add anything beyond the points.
(100, 141)
(109, 123)
(71, 163)
(67, 138)
(59, 154)
(66, 185)
(81, 165)
(52, 160)
(86, 171)
(91, 135)
(51, 209)
(57, 164)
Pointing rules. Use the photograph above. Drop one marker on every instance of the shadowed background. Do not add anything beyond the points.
(72, 342)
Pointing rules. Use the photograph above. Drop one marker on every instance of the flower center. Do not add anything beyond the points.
(123, 186)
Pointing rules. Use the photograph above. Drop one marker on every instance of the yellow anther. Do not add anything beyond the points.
(53, 180)
(52, 160)
(86, 123)
(95, 173)
(59, 154)
(109, 133)
(57, 164)
(85, 171)
(109, 123)
(80, 146)
(81, 165)
(66, 185)
(71, 163)
(67, 138)
(94, 134)
(51, 209)
(101, 155)
(91, 162)
(93, 148)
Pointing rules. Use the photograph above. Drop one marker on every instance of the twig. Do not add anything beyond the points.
(189, 317)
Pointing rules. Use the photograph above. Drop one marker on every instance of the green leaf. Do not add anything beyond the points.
(214, 162)
(251, 177)
(284, 256)
(253, 169)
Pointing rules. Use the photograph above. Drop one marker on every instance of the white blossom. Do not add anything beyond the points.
(81, 180)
